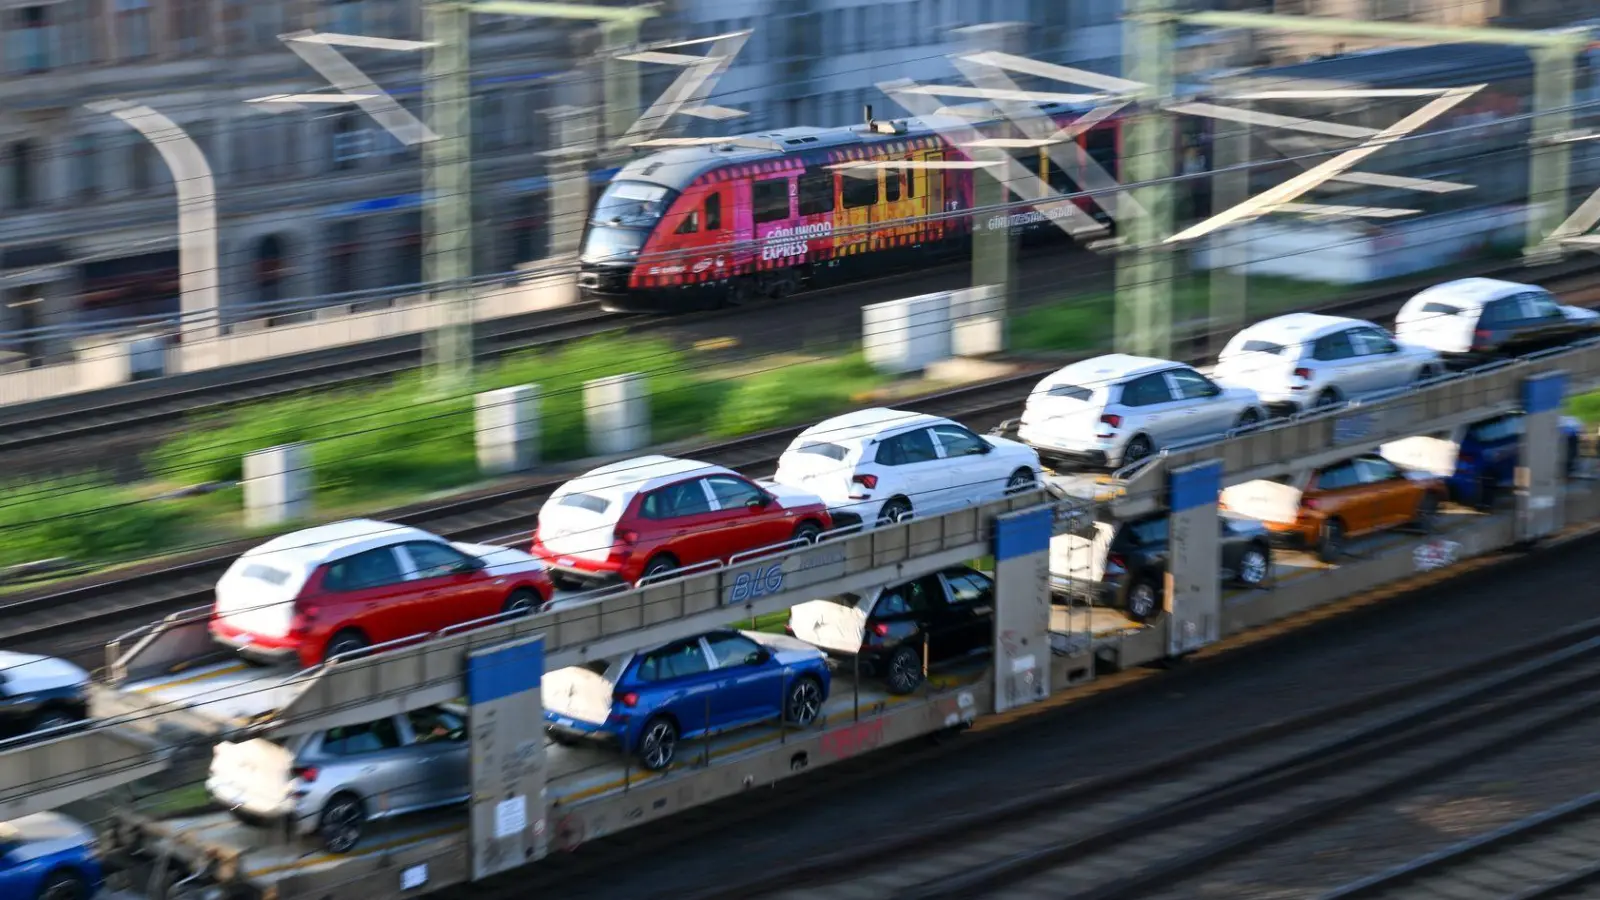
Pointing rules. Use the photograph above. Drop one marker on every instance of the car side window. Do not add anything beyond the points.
(911, 597)
(1334, 346)
(678, 659)
(368, 737)
(434, 560)
(1372, 342)
(958, 441)
(686, 498)
(1375, 469)
(1151, 532)
(373, 568)
(1540, 305)
(1146, 390)
(968, 588)
(731, 649)
(731, 492)
(1500, 312)
(433, 726)
(906, 449)
(1192, 385)
(1337, 477)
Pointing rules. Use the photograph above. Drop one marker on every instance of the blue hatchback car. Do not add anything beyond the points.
(1477, 461)
(646, 702)
(48, 856)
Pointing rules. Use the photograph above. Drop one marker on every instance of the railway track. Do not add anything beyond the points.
(97, 608)
(1553, 853)
(1147, 827)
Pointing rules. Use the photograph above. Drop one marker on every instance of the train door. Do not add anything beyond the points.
(741, 257)
(858, 194)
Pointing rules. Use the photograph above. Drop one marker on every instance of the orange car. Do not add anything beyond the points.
(1347, 499)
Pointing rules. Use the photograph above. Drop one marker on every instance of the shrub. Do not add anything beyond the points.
(795, 393)
(84, 519)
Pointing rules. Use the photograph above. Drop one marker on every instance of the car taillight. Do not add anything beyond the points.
(1117, 559)
(870, 482)
(1303, 373)
(880, 629)
(1480, 339)
(1111, 420)
(627, 536)
(300, 622)
(307, 774)
(630, 699)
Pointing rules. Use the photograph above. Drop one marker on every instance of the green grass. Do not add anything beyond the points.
(1585, 407)
(796, 393)
(83, 519)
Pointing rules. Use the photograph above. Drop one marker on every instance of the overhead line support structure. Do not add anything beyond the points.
(447, 158)
(1554, 54)
(1143, 301)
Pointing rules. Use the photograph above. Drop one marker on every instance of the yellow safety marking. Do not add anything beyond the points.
(749, 744)
(194, 679)
(719, 343)
(320, 858)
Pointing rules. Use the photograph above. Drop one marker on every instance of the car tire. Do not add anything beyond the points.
(894, 510)
(1143, 603)
(903, 673)
(1139, 447)
(1330, 541)
(659, 565)
(343, 820)
(63, 885)
(658, 743)
(1328, 398)
(1255, 564)
(1023, 479)
(807, 532)
(53, 717)
(522, 602)
(1248, 419)
(1427, 520)
(804, 703)
(347, 641)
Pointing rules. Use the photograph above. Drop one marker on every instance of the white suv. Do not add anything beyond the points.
(880, 465)
(1306, 360)
(1118, 409)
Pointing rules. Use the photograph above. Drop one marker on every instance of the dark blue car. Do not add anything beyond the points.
(647, 701)
(47, 856)
(1478, 461)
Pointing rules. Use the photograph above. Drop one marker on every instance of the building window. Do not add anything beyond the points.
(351, 143)
(22, 187)
(190, 20)
(85, 167)
(133, 29)
(31, 39)
(349, 17)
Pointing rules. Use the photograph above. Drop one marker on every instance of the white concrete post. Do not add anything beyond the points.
(906, 335)
(977, 321)
(617, 413)
(197, 213)
(277, 485)
(507, 424)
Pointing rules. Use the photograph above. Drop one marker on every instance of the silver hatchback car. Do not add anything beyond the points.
(1305, 360)
(333, 783)
(1118, 409)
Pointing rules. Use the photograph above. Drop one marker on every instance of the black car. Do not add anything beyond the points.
(1124, 564)
(949, 614)
(40, 692)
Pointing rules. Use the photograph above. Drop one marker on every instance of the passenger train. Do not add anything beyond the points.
(764, 215)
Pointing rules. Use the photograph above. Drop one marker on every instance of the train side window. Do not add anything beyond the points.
(714, 212)
(1101, 145)
(911, 182)
(690, 223)
(816, 193)
(771, 200)
(858, 192)
(1059, 180)
(891, 185)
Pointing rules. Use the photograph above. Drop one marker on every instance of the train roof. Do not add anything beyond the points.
(1440, 65)
(677, 167)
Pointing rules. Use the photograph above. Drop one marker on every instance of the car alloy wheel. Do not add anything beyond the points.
(905, 671)
(805, 702)
(64, 886)
(1020, 481)
(1142, 601)
(659, 745)
(341, 824)
(346, 644)
(1252, 567)
(1327, 398)
(894, 511)
(521, 602)
(1138, 448)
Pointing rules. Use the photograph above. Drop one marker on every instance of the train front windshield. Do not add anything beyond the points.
(622, 219)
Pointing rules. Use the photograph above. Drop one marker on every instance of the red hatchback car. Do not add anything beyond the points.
(648, 516)
(306, 596)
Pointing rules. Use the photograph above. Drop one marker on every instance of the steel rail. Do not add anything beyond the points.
(1478, 864)
(928, 860)
(141, 593)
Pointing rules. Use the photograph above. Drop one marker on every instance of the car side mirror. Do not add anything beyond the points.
(761, 501)
(471, 564)
(757, 657)
(985, 448)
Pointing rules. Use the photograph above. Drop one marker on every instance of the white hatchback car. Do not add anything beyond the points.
(880, 465)
(1306, 360)
(1118, 409)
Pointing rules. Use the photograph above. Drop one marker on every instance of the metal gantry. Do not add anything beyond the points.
(1145, 271)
